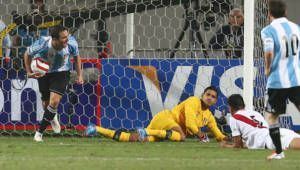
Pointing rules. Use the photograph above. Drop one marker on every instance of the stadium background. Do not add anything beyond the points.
(126, 91)
(124, 96)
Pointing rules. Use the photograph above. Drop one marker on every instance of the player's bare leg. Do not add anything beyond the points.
(295, 144)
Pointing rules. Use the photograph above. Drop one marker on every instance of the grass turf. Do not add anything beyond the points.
(100, 153)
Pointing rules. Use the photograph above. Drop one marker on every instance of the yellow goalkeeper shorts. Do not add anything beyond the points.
(163, 121)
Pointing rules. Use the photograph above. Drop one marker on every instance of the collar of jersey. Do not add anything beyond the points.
(279, 20)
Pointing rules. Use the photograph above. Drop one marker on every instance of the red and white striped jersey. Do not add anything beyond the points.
(251, 126)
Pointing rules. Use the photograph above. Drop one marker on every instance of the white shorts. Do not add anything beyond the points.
(286, 137)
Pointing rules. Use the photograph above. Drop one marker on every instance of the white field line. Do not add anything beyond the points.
(66, 158)
(99, 144)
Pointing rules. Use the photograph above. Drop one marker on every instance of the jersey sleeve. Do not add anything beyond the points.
(7, 44)
(73, 46)
(267, 39)
(234, 127)
(36, 47)
(213, 128)
(191, 108)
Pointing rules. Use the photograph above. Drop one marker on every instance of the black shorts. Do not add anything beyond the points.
(276, 99)
(53, 82)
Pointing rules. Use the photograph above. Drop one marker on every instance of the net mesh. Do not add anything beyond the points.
(174, 42)
(261, 15)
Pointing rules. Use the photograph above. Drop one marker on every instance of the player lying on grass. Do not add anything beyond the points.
(185, 119)
(250, 126)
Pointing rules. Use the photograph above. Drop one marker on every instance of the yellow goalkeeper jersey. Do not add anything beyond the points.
(190, 116)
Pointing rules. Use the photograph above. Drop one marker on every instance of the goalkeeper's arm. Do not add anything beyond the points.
(213, 128)
(191, 108)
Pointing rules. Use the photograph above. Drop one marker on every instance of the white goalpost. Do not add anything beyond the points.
(129, 34)
(248, 74)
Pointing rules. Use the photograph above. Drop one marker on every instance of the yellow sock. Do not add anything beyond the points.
(105, 132)
(163, 134)
(124, 137)
(175, 136)
(157, 133)
(151, 139)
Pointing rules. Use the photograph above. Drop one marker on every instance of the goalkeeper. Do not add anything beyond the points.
(185, 119)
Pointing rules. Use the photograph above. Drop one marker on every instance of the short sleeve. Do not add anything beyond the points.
(267, 39)
(36, 47)
(73, 46)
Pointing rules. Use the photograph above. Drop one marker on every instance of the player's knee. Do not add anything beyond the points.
(182, 137)
(54, 103)
(272, 119)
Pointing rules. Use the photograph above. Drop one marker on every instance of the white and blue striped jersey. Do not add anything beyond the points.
(58, 60)
(282, 37)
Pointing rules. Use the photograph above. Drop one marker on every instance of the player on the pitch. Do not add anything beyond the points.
(251, 126)
(281, 47)
(185, 119)
(57, 50)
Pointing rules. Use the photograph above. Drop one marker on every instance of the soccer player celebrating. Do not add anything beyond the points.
(281, 47)
(185, 119)
(56, 50)
(250, 126)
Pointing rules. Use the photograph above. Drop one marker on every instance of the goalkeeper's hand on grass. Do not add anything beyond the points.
(203, 137)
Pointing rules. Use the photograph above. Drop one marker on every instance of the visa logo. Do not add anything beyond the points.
(180, 79)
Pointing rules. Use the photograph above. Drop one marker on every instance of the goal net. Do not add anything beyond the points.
(139, 57)
(291, 119)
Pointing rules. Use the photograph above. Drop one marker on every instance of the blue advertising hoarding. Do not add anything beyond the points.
(130, 92)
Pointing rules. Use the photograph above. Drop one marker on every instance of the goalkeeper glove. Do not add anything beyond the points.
(204, 138)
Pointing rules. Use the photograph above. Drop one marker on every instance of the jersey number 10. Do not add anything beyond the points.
(294, 44)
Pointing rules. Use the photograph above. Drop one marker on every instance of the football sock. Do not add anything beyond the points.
(48, 116)
(124, 137)
(117, 135)
(164, 134)
(173, 135)
(105, 132)
(157, 133)
(121, 136)
(275, 136)
(151, 138)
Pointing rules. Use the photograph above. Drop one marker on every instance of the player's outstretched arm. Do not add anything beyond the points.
(78, 70)
(213, 128)
(237, 143)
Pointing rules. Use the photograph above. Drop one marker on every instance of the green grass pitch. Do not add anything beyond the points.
(100, 153)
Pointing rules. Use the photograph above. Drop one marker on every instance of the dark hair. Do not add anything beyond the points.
(214, 88)
(277, 8)
(55, 30)
(236, 101)
(35, 1)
